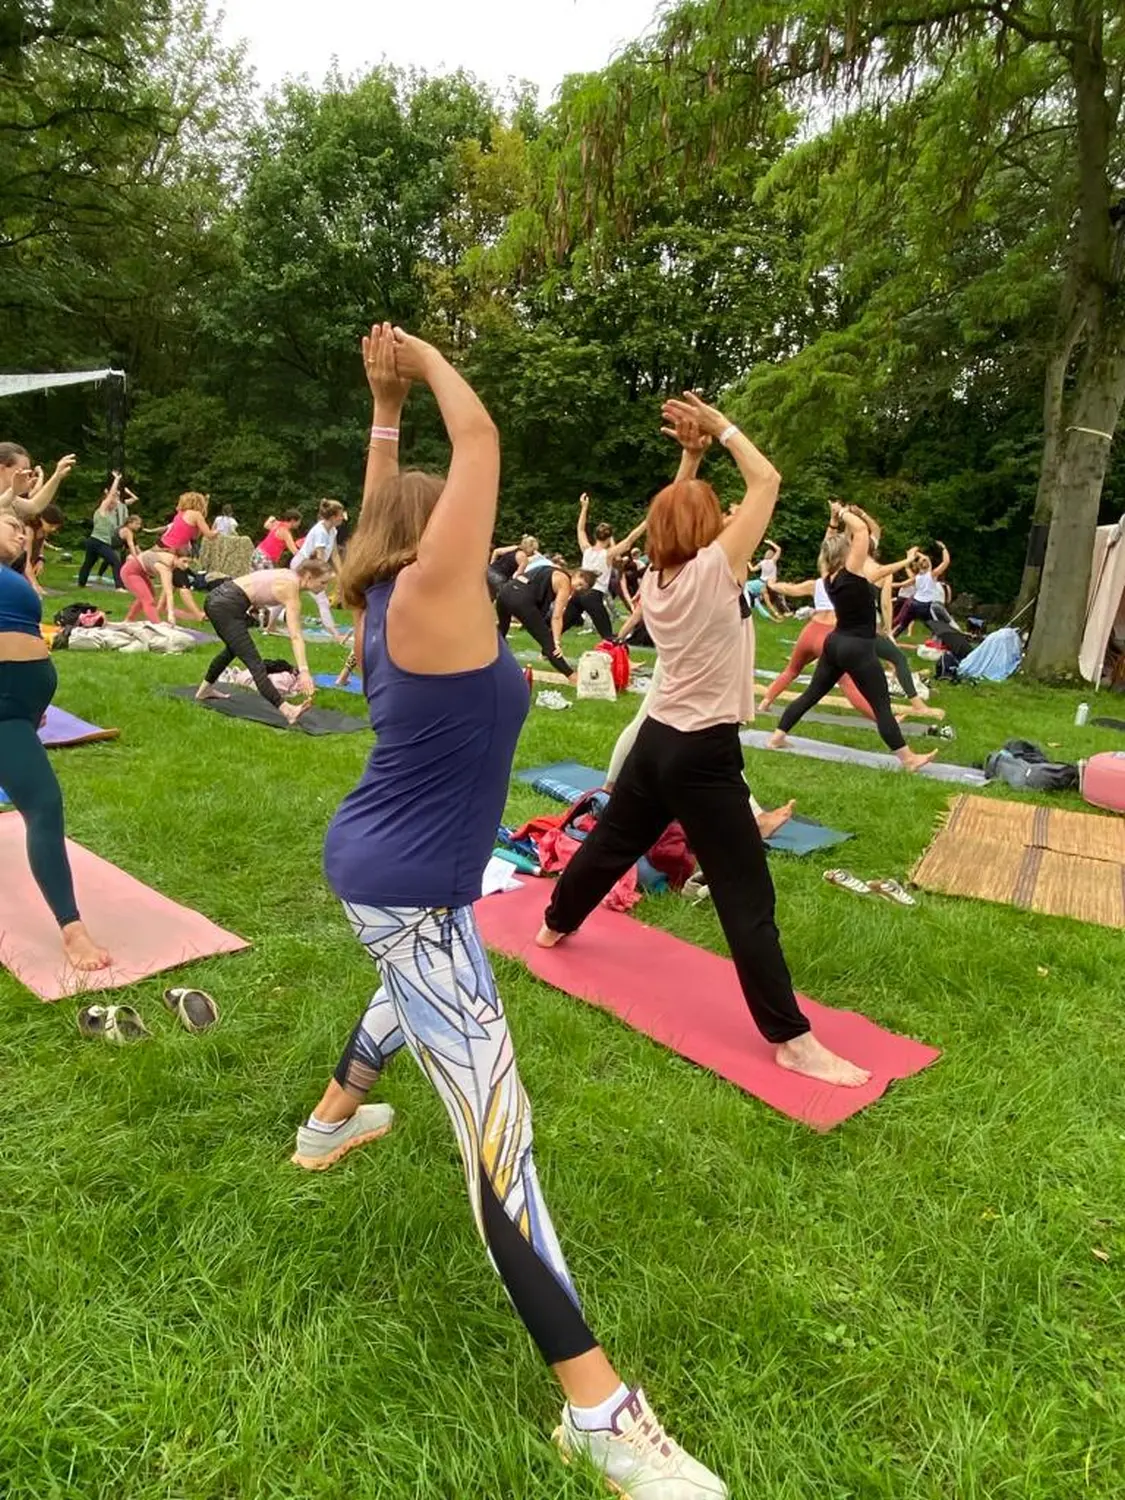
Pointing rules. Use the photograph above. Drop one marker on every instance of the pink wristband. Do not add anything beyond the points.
(384, 434)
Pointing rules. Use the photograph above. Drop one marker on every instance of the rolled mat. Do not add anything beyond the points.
(1109, 723)
(690, 1001)
(61, 729)
(567, 781)
(144, 931)
(758, 739)
(244, 703)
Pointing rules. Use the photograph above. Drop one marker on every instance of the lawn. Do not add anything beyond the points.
(925, 1304)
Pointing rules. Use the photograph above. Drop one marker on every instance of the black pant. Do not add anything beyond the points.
(513, 601)
(592, 604)
(94, 550)
(228, 609)
(696, 778)
(888, 650)
(853, 656)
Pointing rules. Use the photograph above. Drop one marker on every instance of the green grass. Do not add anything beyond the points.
(910, 1307)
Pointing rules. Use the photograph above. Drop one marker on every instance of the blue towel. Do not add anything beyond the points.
(568, 781)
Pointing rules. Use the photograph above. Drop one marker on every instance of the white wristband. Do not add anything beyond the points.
(727, 433)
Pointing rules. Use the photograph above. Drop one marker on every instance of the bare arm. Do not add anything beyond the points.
(740, 538)
(806, 590)
(288, 594)
(47, 491)
(583, 514)
(619, 549)
(558, 612)
(634, 619)
(198, 519)
(879, 571)
(126, 535)
(388, 394)
(944, 564)
(859, 541)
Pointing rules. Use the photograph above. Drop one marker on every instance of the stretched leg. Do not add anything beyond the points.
(324, 610)
(235, 634)
(135, 579)
(855, 697)
(863, 666)
(30, 781)
(809, 645)
(824, 680)
(89, 556)
(597, 610)
(540, 631)
(631, 823)
(113, 558)
(888, 650)
(627, 738)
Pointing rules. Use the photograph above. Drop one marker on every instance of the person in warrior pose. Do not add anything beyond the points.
(406, 854)
(686, 763)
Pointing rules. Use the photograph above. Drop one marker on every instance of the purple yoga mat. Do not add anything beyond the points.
(62, 729)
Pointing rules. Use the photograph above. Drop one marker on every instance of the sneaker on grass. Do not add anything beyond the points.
(638, 1458)
(319, 1149)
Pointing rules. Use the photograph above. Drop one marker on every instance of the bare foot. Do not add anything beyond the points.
(777, 740)
(293, 711)
(207, 690)
(804, 1054)
(913, 762)
(545, 938)
(770, 822)
(81, 950)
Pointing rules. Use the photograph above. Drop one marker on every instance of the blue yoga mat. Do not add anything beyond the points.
(567, 781)
(758, 739)
(328, 680)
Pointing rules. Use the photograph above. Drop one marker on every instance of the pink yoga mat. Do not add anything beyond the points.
(144, 931)
(689, 1000)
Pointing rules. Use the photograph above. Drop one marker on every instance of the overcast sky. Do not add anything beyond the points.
(540, 40)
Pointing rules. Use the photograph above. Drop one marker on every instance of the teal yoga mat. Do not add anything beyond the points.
(567, 781)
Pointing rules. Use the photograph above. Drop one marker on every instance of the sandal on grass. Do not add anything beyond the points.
(892, 891)
(195, 1009)
(847, 881)
(117, 1024)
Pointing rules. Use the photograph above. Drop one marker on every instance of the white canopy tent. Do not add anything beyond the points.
(1105, 608)
(21, 385)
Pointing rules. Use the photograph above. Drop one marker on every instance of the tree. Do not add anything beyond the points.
(944, 108)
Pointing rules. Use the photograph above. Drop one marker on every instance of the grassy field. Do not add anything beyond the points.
(925, 1304)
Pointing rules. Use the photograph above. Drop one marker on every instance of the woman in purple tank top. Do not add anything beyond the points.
(406, 854)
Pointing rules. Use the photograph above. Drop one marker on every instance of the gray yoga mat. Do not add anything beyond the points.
(758, 739)
(244, 703)
(843, 721)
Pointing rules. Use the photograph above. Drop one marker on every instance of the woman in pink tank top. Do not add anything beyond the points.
(277, 541)
(188, 524)
(686, 763)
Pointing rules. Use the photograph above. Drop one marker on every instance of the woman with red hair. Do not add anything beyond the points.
(686, 763)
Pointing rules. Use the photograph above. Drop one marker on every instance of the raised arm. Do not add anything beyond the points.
(583, 516)
(619, 549)
(389, 391)
(41, 497)
(805, 590)
(456, 542)
(740, 537)
(942, 566)
(880, 571)
(109, 500)
(859, 540)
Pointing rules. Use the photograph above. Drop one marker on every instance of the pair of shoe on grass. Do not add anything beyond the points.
(121, 1024)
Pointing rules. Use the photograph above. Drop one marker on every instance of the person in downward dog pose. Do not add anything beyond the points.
(229, 607)
(686, 763)
(140, 571)
(851, 646)
(406, 854)
(27, 685)
(538, 600)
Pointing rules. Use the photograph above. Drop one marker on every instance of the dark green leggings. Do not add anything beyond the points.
(26, 688)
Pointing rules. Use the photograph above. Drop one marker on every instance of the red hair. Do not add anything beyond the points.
(685, 517)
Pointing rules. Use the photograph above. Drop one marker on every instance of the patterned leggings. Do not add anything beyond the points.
(439, 999)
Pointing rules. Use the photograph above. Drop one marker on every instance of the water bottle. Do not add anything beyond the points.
(1082, 715)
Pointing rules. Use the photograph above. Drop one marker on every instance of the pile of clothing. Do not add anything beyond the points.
(130, 639)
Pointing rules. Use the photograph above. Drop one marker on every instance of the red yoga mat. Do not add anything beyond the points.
(144, 931)
(689, 1000)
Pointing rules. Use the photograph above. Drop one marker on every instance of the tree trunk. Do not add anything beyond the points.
(1061, 614)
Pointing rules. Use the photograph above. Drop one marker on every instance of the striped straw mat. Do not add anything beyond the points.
(1041, 859)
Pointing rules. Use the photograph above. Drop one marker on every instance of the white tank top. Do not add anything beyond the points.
(821, 598)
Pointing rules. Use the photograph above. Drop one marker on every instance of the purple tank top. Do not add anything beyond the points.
(421, 825)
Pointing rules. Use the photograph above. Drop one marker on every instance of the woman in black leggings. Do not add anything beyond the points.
(538, 601)
(851, 646)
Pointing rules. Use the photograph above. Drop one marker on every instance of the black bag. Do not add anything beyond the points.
(70, 614)
(1024, 766)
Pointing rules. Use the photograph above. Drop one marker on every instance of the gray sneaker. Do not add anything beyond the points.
(638, 1458)
(318, 1150)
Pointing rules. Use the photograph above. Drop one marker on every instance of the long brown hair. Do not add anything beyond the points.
(685, 517)
(390, 529)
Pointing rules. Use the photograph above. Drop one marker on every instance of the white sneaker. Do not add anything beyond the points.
(319, 1149)
(638, 1458)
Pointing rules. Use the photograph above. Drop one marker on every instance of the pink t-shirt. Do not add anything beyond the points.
(706, 647)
